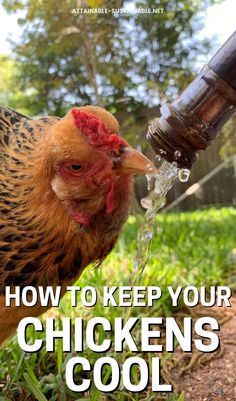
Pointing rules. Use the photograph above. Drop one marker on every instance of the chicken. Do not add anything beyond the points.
(64, 194)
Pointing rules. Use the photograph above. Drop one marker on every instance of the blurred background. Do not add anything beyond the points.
(54, 57)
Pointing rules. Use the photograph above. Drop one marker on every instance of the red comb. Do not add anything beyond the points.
(96, 131)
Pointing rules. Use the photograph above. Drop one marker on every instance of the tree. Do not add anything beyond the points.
(62, 55)
(120, 61)
(10, 93)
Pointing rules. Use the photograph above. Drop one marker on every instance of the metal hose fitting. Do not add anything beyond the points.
(194, 119)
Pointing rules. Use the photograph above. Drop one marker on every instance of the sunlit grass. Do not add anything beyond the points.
(188, 249)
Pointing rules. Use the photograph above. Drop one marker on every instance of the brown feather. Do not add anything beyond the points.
(40, 244)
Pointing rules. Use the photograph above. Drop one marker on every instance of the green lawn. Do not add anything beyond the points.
(191, 248)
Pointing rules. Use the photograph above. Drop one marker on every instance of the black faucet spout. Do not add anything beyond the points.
(193, 120)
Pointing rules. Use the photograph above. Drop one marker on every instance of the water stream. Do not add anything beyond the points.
(158, 186)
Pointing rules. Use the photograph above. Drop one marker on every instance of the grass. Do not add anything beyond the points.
(192, 248)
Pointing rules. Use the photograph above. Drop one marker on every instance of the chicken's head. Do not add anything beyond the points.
(92, 164)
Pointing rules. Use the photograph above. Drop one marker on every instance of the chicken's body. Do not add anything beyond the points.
(48, 232)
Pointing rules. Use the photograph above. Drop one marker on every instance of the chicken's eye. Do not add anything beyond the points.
(71, 168)
(75, 167)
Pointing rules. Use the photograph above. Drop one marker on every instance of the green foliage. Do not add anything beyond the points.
(125, 62)
(188, 249)
(7, 71)
(10, 92)
(122, 61)
(168, 44)
(229, 132)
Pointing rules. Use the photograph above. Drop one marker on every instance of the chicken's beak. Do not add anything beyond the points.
(134, 162)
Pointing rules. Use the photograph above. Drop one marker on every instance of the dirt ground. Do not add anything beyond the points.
(215, 380)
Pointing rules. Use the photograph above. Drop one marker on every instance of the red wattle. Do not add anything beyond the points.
(80, 218)
(110, 200)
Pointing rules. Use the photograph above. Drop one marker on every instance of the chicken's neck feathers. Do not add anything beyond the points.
(39, 240)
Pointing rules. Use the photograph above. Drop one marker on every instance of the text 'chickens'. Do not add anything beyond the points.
(152, 330)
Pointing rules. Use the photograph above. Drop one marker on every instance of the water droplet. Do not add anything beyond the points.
(177, 154)
(151, 168)
(184, 174)
(158, 158)
(150, 181)
(148, 235)
(146, 203)
(162, 151)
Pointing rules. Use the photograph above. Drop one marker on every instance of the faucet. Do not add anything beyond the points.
(194, 119)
